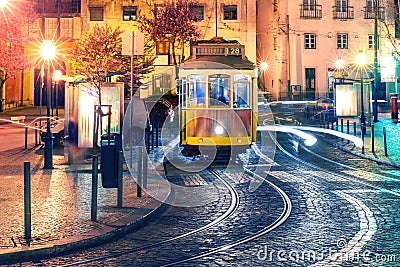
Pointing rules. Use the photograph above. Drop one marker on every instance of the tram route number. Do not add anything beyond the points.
(234, 50)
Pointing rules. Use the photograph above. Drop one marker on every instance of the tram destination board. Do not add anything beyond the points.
(234, 50)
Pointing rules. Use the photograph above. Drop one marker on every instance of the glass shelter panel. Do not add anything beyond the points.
(219, 90)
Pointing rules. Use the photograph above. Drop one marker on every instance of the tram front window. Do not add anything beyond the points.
(241, 86)
(219, 90)
(196, 90)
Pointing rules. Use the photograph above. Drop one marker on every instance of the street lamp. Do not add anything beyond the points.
(361, 60)
(56, 77)
(264, 67)
(48, 51)
(3, 3)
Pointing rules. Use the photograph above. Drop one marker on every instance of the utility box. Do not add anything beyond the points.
(111, 144)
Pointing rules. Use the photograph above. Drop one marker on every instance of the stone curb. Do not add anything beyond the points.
(378, 160)
(90, 239)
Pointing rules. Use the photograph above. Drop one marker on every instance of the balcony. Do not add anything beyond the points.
(310, 11)
(343, 12)
(58, 7)
(369, 12)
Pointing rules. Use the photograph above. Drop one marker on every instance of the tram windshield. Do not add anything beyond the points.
(219, 90)
(241, 84)
(196, 89)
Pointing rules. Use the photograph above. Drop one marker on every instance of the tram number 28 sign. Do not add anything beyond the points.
(234, 50)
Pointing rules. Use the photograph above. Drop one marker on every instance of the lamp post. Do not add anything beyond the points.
(361, 60)
(56, 77)
(263, 66)
(48, 51)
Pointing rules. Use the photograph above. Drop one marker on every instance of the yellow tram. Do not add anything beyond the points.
(218, 97)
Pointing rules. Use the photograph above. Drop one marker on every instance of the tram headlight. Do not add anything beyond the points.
(219, 130)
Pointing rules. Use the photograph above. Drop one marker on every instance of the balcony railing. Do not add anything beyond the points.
(369, 12)
(343, 12)
(311, 11)
(73, 6)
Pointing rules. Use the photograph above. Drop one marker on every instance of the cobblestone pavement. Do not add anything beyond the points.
(341, 216)
(61, 205)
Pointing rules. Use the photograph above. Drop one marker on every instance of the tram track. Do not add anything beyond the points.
(234, 203)
(356, 179)
(280, 220)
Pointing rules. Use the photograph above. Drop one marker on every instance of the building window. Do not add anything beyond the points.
(370, 41)
(341, 5)
(342, 41)
(230, 12)
(309, 4)
(310, 41)
(66, 27)
(162, 48)
(198, 12)
(96, 13)
(129, 13)
(51, 28)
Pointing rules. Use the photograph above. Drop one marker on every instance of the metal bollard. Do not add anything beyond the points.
(26, 137)
(144, 181)
(373, 138)
(95, 182)
(27, 201)
(140, 172)
(348, 127)
(384, 141)
(120, 181)
(36, 135)
(362, 138)
(354, 128)
(341, 125)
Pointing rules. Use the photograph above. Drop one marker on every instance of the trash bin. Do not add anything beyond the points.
(110, 145)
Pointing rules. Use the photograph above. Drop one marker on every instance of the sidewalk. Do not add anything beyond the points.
(61, 206)
(392, 140)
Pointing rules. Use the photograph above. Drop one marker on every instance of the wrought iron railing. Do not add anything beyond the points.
(310, 11)
(343, 12)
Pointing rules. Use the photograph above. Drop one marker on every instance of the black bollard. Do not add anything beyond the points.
(36, 135)
(384, 141)
(26, 137)
(140, 172)
(372, 138)
(348, 127)
(119, 177)
(27, 201)
(341, 124)
(354, 128)
(95, 182)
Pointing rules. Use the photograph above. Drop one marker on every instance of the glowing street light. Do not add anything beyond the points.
(3, 3)
(48, 52)
(264, 67)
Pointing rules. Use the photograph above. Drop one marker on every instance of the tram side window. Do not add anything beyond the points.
(219, 90)
(196, 90)
(241, 85)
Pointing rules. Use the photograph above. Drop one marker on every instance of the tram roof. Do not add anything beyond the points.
(202, 62)
(227, 52)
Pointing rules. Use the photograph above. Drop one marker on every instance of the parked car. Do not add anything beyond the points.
(57, 129)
